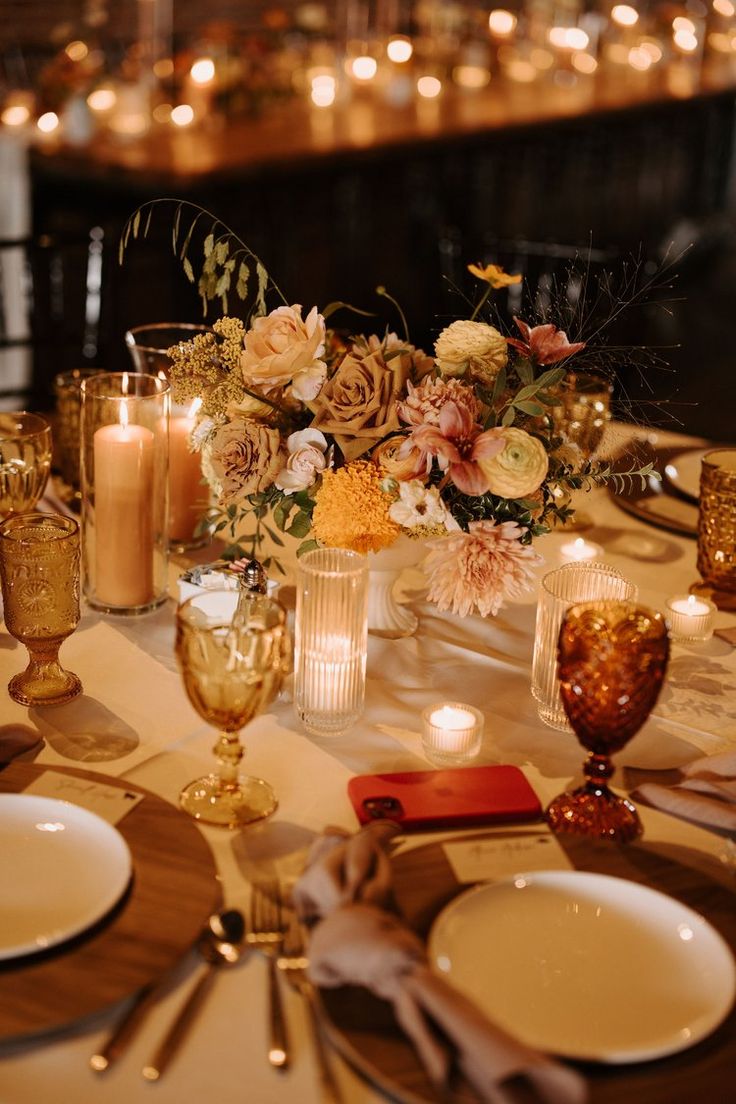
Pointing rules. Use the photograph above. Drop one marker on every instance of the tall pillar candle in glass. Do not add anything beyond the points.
(331, 636)
(560, 589)
(125, 446)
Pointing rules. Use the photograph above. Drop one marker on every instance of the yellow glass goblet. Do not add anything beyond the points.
(25, 461)
(233, 656)
(39, 568)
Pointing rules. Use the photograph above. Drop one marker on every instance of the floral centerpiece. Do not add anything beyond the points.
(353, 442)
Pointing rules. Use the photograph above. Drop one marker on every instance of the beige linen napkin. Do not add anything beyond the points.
(357, 942)
(705, 794)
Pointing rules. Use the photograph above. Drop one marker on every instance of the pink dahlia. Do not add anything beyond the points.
(423, 404)
(479, 569)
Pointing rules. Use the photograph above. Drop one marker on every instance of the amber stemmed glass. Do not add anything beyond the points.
(25, 461)
(612, 657)
(39, 567)
(233, 656)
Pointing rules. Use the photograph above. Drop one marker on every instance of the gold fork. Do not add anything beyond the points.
(293, 961)
(266, 932)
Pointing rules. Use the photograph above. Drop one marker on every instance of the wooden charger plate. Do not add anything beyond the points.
(364, 1031)
(173, 891)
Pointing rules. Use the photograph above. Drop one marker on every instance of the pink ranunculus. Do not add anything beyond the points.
(283, 349)
(544, 344)
(459, 443)
(479, 569)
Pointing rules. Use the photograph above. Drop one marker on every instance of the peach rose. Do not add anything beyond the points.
(283, 349)
(398, 459)
(243, 457)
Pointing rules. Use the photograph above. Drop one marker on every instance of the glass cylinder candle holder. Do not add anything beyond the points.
(565, 587)
(451, 733)
(331, 637)
(125, 446)
(690, 618)
(67, 433)
(717, 528)
(148, 345)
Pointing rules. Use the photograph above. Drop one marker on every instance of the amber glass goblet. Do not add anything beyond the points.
(25, 461)
(612, 658)
(39, 568)
(233, 657)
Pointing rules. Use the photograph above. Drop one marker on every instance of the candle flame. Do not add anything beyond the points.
(124, 415)
(195, 407)
(579, 542)
(124, 386)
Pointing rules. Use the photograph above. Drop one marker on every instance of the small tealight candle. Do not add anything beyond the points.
(580, 550)
(690, 618)
(451, 733)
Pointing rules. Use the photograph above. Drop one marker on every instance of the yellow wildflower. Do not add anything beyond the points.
(493, 275)
(352, 511)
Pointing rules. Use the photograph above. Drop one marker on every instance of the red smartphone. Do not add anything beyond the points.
(456, 798)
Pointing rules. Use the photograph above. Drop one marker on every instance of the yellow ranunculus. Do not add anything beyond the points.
(520, 468)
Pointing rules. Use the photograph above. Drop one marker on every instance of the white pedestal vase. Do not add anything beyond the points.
(386, 615)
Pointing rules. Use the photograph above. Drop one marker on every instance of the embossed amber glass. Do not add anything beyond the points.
(39, 568)
(717, 528)
(67, 433)
(233, 656)
(612, 661)
(25, 460)
(584, 410)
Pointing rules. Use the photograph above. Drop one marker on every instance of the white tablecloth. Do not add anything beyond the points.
(134, 722)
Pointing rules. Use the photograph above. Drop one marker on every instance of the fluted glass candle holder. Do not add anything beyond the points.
(717, 528)
(331, 638)
(561, 589)
(125, 444)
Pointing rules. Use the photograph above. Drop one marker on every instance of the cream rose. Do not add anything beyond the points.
(243, 457)
(281, 348)
(358, 404)
(471, 346)
(519, 469)
(307, 458)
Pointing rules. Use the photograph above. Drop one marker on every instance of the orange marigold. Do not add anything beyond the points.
(351, 510)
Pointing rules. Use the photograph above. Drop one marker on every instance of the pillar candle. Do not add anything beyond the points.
(124, 462)
(185, 480)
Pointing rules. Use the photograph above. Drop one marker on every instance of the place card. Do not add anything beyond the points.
(111, 803)
(505, 854)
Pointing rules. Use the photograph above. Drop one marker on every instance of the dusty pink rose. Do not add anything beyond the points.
(544, 344)
(243, 457)
(283, 349)
(423, 404)
(459, 445)
(479, 569)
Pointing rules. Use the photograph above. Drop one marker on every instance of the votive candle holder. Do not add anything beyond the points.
(452, 733)
(690, 618)
(125, 444)
(330, 640)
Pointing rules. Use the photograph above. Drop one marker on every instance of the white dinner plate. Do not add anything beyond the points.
(585, 965)
(61, 869)
(683, 471)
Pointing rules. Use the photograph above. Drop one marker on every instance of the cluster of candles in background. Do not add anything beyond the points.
(445, 46)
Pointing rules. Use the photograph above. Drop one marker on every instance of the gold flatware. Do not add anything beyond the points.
(266, 932)
(293, 961)
(220, 945)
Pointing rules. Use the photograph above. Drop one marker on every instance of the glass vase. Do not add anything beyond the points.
(562, 588)
(331, 635)
(124, 469)
(717, 528)
(67, 433)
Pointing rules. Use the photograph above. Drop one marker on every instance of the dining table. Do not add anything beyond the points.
(134, 726)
